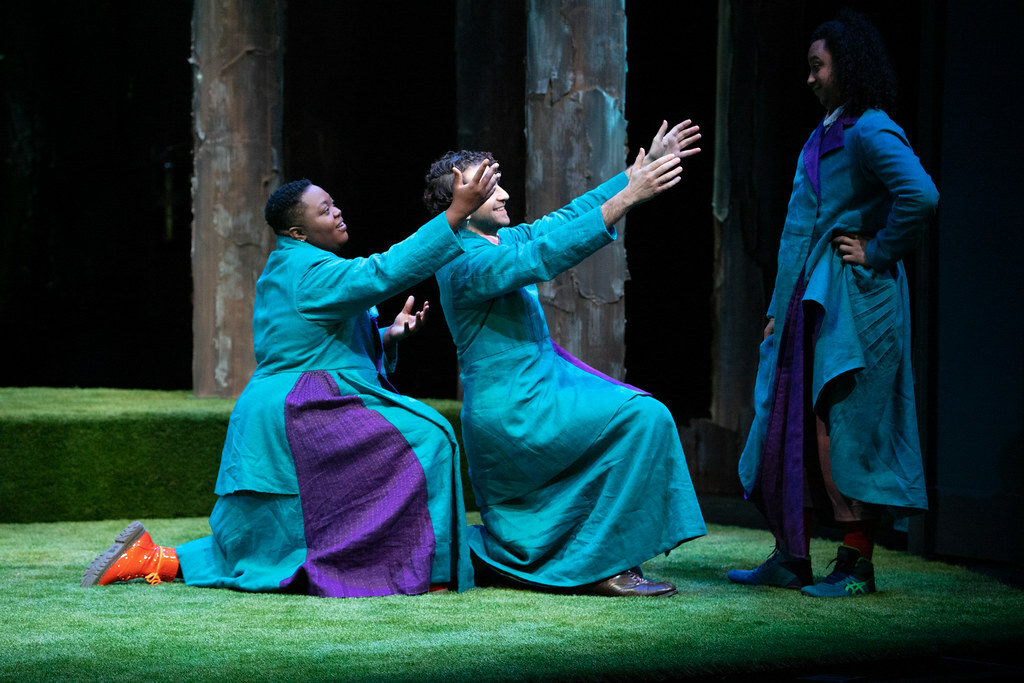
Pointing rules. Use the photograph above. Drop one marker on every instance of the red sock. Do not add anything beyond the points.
(861, 535)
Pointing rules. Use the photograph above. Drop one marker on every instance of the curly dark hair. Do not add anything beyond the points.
(284, 207)
(437, 196)
(859, 61)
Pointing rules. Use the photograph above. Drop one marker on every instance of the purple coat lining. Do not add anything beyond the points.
(790, 432)
(593, 371)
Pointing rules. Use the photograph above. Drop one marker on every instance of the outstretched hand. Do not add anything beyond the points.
(652, 176)
(647, 179)
(678, 141)
(469, 193)
(406, 324)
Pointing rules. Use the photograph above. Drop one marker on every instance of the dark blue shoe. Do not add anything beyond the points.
(780, 569)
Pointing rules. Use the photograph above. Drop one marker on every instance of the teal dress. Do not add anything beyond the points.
(331, 483)
(578, 477)
(858, 176)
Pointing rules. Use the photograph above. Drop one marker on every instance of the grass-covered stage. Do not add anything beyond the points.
(936, 619)
(52, 629)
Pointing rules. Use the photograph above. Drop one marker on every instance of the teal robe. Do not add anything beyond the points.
(577, 477)
(860, 177)
(319, 444)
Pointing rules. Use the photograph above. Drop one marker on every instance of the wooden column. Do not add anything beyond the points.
(575, 139)
(237, 70)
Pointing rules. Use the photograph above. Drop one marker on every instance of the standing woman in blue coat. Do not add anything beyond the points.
(835, 430)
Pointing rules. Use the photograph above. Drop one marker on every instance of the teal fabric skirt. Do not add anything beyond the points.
(257, 542)
(625, 500)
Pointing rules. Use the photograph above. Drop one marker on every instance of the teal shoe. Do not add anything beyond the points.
(780, 569)
(852, 577)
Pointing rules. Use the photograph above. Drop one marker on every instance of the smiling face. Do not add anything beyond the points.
(491, 216)
(321, 224)
(821, 77)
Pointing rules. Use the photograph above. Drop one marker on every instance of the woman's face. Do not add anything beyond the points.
(491, 215)
(322, 225)
(821, 79)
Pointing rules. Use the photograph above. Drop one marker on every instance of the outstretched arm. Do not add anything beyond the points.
(406, 324)
(646, 181)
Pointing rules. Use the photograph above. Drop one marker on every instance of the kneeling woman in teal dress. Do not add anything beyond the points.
(579, 478)
(331, 483)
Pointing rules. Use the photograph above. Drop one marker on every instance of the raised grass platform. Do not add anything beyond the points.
(89, 454)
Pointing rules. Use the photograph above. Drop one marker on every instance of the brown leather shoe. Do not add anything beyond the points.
(629, 583)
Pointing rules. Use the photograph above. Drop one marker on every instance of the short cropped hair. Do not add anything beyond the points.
(285, 206)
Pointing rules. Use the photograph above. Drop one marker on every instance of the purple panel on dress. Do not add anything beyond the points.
(593, 371)
(363, 493)
(790, 433)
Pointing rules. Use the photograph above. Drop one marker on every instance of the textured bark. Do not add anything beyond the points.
(575, 139)
(237, 68)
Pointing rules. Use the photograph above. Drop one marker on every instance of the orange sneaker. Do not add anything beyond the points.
(132, 556)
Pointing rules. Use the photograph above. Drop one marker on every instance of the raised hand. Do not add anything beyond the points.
(678, 141)
(651, 177)
(406, 324)
(647, 179)
(469, 193)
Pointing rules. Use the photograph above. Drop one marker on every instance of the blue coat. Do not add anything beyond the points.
(861, 176)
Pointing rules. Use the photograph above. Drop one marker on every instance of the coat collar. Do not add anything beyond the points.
(822, 142)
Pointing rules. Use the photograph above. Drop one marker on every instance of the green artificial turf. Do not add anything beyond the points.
(73, 404)
(52, 629)
(78, 454)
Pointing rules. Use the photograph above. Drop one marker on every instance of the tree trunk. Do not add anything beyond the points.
(237, 67)
(576, 139)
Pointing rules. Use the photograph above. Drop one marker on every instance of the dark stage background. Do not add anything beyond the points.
(97, 146)
(95, 211)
